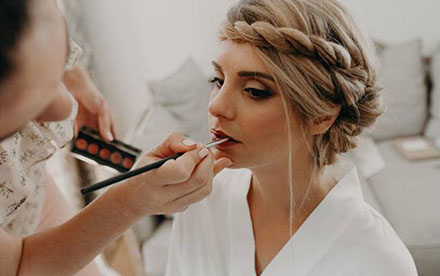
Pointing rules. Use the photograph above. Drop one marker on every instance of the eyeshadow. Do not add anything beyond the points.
(90, 147)
(116, 158)
(93, 148)
(104, 154)
(127, 162)
(81, 144)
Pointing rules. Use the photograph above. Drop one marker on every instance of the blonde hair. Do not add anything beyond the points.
(320, 60)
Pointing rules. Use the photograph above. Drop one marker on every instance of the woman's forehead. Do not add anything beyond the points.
(232, 56)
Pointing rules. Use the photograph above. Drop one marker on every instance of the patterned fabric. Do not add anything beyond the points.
(74, 55)
(75, 50)
(22, 171)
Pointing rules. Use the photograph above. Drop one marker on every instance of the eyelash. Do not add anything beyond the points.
(263, 94)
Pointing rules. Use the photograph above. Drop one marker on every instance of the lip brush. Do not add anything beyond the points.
(140, 170)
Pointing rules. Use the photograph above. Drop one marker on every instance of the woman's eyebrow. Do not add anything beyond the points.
(251, 74)
(217, 66)
(256, 74)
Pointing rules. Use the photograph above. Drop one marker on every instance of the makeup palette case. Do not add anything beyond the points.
(90, 147)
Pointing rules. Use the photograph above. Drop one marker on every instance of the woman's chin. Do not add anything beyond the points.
(218, 153)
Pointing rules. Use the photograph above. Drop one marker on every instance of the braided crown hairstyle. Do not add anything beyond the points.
(320, 60)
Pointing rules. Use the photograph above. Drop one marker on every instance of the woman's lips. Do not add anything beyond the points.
(217, 135)
(227, 144)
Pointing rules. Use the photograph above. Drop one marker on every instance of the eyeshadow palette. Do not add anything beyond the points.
(90, 147)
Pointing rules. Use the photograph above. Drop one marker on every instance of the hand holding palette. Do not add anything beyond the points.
(91, 148)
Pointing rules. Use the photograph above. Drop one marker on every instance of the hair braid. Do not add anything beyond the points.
(288, 41)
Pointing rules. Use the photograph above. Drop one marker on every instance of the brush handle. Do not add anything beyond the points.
(129, 174)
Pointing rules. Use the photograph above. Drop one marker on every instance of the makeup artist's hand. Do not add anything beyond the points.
(94, 110)
(177, 183)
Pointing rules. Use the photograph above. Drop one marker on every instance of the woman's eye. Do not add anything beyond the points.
(218, 82)
(258, 94)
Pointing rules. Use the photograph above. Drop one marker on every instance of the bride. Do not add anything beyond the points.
(295, 83)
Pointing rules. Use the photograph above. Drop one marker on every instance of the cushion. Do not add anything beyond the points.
(367, 157)
(155, 124)
(185, 95)
(402, 76)
(433, 127)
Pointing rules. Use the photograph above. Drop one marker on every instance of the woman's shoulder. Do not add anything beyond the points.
(370, 237)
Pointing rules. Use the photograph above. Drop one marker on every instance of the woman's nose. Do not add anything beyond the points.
(221, 104)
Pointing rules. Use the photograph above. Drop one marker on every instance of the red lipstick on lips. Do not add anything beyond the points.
(218, 134)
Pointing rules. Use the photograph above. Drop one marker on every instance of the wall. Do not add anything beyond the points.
(395, 21)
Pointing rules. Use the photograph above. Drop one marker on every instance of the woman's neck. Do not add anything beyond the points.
(270, 194)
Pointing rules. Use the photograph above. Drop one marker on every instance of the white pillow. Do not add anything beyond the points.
(405, 95)
(185, 95)
(433, 127)
(156, 123)
(367, 157)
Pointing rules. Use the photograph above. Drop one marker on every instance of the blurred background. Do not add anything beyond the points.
(151, 59)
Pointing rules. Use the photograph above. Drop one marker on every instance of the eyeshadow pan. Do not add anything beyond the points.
(104, 154)
(127, 163)
(116, 158)
(81, 144)
(93, 149)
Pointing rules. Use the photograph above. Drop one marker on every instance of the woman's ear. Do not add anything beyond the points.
(321, 125)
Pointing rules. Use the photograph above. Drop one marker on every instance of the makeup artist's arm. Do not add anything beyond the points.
(94, 110)
(65, 249)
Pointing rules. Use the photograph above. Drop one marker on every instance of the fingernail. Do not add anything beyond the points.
(189, 142)
(110, 136)
(203, 152)
(230, 163)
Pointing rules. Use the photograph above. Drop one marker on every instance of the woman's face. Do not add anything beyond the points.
(247, 106)
(39, 60)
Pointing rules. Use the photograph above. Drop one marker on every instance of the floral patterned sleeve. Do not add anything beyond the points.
(22, 171)
(22, 164)
(75, 50)
(74, 55)
(61, 132)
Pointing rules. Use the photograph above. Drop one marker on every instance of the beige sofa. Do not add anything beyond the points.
(408, 192)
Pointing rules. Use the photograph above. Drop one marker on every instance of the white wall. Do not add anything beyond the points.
(395, 21)
(135, 41)
(182, 27)
(113, 29)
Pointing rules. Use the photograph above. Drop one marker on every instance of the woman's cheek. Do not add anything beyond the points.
(58, 109)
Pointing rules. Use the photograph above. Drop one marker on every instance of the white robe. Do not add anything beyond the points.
(343, 236)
